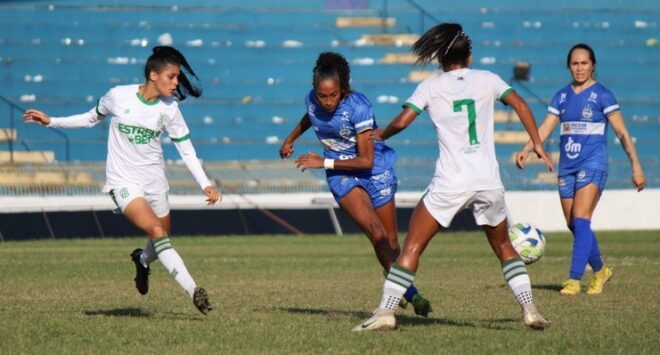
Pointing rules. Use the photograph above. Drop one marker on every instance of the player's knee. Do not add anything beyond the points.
(156, 230)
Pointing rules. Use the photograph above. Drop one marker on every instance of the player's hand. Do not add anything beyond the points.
(310, 160)
(33, 115)
(638, 179)
(521, 158)
(213, 195)
(541, 153)
(286, 150)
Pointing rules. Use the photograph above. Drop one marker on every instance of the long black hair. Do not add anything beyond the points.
(162, 56)
(446, 43)
(331, 65)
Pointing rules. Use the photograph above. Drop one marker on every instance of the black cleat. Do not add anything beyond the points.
(141, 273)
(201, 300)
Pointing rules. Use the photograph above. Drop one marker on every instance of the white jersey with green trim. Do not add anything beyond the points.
(135, 153)
(461, 104)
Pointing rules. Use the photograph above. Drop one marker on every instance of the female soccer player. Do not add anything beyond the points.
(135, 170)
(360, 171)
(584, 108)
(460, 102)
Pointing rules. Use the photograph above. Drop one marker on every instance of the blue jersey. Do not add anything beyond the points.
(337, 131)
(583, 127)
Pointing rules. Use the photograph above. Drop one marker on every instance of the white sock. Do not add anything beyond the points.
(516, 276)
(174, 264)
(397, 282)
(148, 255)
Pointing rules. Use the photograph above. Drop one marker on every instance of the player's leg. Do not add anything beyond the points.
(489, 210)
(402, 273)
(387, 215)
(139, 212)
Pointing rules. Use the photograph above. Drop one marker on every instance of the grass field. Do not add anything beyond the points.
(304, 294)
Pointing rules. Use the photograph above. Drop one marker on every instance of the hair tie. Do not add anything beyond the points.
(460, 33)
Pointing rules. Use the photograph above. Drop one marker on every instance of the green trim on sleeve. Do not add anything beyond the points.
(98, 102)
(413, 107)
(505, 93)
(177, 140)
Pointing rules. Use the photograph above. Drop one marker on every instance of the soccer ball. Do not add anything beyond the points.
(528, 241)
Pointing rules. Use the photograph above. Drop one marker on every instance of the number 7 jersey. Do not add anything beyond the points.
(461, 104)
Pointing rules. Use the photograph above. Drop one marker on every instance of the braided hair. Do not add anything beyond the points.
(331, 65)
(162, 56)
(446, 43)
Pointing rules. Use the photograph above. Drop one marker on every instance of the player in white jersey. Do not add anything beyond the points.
(135, 170)
(584, 108)
(460, 102)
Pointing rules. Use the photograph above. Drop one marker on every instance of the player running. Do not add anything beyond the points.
(135, 170)
(460, 102)
(360, 172)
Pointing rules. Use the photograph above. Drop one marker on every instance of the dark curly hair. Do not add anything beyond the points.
(331, 65)
(164, 55)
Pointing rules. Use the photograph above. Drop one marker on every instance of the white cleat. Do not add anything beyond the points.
(533, 319)
(383, 319)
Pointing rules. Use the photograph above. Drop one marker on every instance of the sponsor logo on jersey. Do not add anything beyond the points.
(138, 135)
(581, 175)
(386, 191)
(562, 182)
(593, 97)
(562, 98)
(161, 121)
(572, 148)
(311, 109)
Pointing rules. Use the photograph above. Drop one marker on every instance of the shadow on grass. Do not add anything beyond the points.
(551, 287)
(119, 312)
(402, 320)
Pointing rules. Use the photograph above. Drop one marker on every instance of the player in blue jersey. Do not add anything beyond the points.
(359, 170)
(584, 109)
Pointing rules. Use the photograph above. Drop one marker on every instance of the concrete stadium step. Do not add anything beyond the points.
(45, 178)
(7, 134)
(345, 22)
(45, 156)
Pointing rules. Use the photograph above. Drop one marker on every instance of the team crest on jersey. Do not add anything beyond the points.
(562, 98)
(345, 132)
(593, 97)
(587, 113)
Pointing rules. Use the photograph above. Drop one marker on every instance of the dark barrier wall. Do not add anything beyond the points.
(101, 224)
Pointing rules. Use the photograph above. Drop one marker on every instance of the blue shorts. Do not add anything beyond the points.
(569, 184)
(381, 187)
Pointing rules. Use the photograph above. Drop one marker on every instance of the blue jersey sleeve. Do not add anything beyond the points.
(608, 102)
(362, 118)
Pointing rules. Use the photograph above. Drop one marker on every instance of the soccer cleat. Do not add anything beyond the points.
(383, 319)
(141, 273)
(533, 319)
(570, 287)
(599, 280)
(421, 305)
(201, 300)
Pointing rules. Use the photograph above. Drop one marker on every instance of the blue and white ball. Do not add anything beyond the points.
(528, 241)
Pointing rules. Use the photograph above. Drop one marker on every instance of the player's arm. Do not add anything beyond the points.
(286, 150)
(363, 160)
(189, 156)
(399, 123)
(619, 127)
(83, 120)
(525, 114)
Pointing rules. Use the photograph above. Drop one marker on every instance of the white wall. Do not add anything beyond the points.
(617, 210)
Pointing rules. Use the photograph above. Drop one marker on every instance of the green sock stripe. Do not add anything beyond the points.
(162, 244)
(504, 264)
(400, 270)
(511, 277)
(512, 266)
(399, 281)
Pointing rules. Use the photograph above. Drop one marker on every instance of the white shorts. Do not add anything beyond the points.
(124, 195)
(488, 206)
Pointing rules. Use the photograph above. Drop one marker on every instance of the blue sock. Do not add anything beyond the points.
(582, 243)
(410, 292)
(595, 261)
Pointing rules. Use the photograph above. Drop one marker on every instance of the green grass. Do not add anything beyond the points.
(304, 294)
